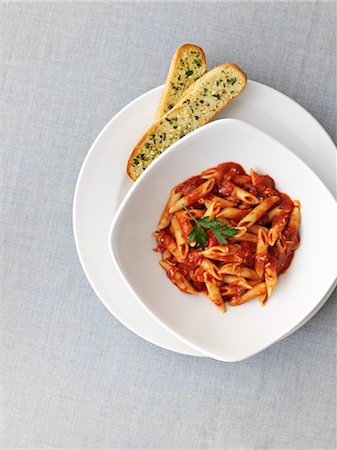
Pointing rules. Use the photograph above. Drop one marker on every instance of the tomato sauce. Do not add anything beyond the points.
(164, 239)
(262, 186)
(247, 253)
(187, 186)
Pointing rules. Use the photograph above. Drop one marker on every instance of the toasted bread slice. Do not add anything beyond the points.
(206, 97)
(188, 65)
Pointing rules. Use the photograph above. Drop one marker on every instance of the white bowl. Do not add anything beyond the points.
(247, 329)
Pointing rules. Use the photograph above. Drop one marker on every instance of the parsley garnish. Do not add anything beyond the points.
(188, 73)
(220, 230)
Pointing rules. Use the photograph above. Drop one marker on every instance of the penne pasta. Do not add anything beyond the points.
(213, 292)
(241, 231)
(233, 290)
(167, 242)
(263, 298)
(166, 266)
(241, 180)
(258, 290)
(256, 179)
(219, 251)
(190, 198)
(255, 229)
(226, 258)
(240, 271)
(270, 274)
(261, 252)
(291, 231)
(165, 218)
(276, 229)
(275, 212)
(196, 213)
(246, 237)
(230, 213)
(178, 279)
(231, 259)
(211, 268)
(209, 173)
(223, 202)
(212, 209)
(228, 234)
(181, 241)
(166, 254)
(281, 247)
(244, 196)
(234, 279)
(295, 218)
(254, 215)
(198, 274)
(255, 282)
(185, 223)
(231, 198)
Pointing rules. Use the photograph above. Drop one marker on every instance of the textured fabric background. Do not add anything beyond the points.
(73, 376)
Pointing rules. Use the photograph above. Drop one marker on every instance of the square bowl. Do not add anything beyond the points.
(248, 329)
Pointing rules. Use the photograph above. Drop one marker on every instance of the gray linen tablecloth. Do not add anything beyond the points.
(73, 376)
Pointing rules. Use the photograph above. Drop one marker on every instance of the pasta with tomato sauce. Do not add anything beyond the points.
(228, 234)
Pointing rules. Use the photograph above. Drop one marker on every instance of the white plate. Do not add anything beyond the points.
(248, 329)
(102, 184)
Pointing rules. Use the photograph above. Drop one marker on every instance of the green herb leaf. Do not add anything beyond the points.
(199, 236)
(189, 72)
(220, 230)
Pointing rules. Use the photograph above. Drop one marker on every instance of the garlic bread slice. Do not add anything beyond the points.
(188, 65)
(202, 101)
